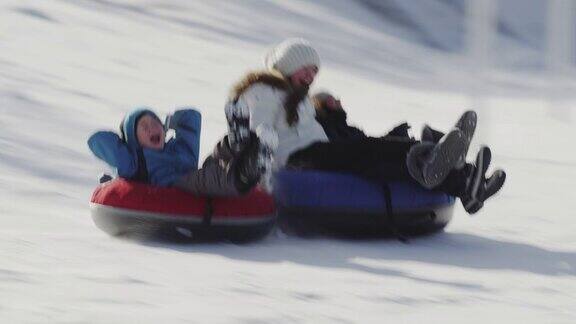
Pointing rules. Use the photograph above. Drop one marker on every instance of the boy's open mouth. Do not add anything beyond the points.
(155, 139)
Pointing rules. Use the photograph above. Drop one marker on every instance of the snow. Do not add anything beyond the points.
(68, 68)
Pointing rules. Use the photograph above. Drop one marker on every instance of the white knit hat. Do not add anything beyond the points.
(291, 55)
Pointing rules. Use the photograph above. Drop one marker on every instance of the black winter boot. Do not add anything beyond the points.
(494, 183)
(430, 163)
(478, 189)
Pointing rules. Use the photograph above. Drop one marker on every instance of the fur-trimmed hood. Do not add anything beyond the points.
(275, 80)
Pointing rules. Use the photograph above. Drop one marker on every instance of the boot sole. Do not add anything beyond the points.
(450, 151)
(467, 125)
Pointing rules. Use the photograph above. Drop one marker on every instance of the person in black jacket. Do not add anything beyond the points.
(333, 118)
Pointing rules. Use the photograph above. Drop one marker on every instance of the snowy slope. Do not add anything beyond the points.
(69, 67)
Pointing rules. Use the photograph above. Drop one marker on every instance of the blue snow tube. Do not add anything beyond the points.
(312, 201)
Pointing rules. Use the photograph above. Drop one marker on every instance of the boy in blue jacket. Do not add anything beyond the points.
(141, 153)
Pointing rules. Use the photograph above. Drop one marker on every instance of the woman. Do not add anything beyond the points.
(278, 99)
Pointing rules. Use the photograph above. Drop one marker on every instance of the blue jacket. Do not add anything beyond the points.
(158, 167)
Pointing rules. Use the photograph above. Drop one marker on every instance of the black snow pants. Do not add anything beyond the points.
(379, 159)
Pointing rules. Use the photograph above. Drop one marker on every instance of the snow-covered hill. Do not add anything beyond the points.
(69, 67)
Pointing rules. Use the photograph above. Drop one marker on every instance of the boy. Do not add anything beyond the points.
(141, 153)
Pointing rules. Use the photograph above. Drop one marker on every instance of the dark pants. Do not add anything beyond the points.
(377, 159)
(218, 176)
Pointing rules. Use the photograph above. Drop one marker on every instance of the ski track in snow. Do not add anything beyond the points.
(68, 68)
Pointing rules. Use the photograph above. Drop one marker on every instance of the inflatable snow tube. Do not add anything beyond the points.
(125, 208)
(314, 201)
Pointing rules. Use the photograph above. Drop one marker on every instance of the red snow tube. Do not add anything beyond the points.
(121, 207)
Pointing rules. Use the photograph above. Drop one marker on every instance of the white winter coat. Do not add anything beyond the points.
(266, 105)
